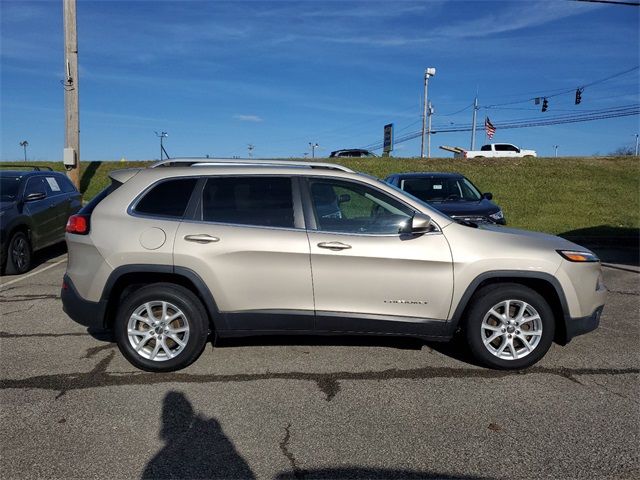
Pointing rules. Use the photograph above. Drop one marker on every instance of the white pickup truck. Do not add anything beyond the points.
(492, 150)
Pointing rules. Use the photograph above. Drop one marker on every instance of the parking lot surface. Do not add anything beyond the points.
(72, 407)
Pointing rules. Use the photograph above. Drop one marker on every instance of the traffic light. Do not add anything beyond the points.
(545, 105)
(578, 95)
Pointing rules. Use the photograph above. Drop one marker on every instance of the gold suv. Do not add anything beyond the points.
(168, 254)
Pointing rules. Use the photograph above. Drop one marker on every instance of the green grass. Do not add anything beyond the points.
(571, 196)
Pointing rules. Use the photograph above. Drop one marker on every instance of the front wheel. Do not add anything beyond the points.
(509, 326)
(161, 328)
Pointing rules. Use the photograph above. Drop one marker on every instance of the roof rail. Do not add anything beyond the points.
(207, 162)
(34, 167)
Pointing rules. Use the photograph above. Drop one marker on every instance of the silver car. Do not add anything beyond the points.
(166, 255)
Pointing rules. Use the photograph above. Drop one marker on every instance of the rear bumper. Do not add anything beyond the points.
(582, 325)
(84, 312)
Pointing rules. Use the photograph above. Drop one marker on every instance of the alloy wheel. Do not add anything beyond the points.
(158, 331)
(511, 329)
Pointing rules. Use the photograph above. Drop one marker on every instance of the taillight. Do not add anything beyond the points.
(78, 224)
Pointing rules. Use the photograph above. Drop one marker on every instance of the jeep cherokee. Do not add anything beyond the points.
(167, 255)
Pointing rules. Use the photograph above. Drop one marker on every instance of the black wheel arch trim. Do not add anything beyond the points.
(507, 275)
(203, 292)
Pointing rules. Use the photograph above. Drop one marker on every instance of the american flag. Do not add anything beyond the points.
(489, 128)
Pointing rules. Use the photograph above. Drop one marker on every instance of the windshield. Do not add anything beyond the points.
(9, 188)
(441, 189)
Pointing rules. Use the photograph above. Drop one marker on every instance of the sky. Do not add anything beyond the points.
(218, 76)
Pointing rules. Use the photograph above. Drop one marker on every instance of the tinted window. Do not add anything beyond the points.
(261, 201)
(167, 199)
(35, 185)
(503, 148)
(65, 184)
(355, 208)
(441, 189)
(486, 148)
(9, 188)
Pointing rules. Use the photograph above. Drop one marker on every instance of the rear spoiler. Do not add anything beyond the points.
(121, 176)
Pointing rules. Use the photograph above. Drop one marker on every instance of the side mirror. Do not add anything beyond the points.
(32, 197)
(488, 195)
(419, 223)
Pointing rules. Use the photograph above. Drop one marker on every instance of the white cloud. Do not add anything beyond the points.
(247, 118)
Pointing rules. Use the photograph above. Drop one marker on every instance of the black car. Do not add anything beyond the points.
(34, 208)
(450, 193)
(352, 153)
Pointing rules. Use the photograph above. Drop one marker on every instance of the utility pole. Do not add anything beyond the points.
(72, 120)
(162, 136)
(473, 123)
(556, 147)
(430, 113)
(313, 149)
(429, 72)
(24, 144)
(636, 144)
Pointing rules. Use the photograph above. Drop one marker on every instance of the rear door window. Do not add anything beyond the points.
(256, 201)
(167, 199)
(35, 185)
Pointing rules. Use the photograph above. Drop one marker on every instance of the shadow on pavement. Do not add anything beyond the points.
(197, 447)
(616, 245)
(403, 343)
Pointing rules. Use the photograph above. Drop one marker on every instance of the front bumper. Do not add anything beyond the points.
(84, 312)
(582, 325)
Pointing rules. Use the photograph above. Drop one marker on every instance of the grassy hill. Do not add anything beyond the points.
(586, 196)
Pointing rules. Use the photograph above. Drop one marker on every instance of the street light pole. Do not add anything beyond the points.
(637, 144)
(430, 113)
(313, 149)
(429, 72)
(24, 144)
(556, 147)
(162, 136)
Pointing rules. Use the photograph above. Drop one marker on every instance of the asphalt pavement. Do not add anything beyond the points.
(305, 407)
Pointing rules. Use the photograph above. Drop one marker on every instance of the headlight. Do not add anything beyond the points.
(575, 256)
(497, 216)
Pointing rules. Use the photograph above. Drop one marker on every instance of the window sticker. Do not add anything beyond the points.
(53, 184)
(437, 187)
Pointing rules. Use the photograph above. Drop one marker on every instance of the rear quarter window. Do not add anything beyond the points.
(167, 199)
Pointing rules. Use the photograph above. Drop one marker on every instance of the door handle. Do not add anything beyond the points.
(201, 238)
(335, 246)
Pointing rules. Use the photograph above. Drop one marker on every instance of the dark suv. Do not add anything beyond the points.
(452, 194)
(34, 208)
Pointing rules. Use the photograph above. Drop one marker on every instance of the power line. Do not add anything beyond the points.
(565, 91)
(557, 120)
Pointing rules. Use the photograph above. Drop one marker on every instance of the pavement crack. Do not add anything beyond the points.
(329, 386)
(19, 310)
(284, 446)
(327, 382)
(624, 292)
(44, 335)
(28, 297)
(91, 352)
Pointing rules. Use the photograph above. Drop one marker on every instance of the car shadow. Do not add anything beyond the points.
(197, 447)
(402, 343)
(614, 245)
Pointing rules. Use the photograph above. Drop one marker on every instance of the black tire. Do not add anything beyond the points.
(194, 315)
(18, 255)
(488, 297)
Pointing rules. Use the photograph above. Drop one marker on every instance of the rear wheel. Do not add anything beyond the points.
(509, 326)
(18, 254)
(161, 328)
